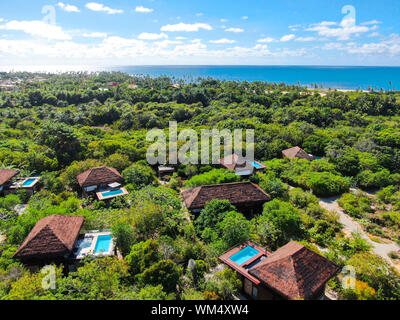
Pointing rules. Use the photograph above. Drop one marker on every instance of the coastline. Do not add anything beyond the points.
(341, 78)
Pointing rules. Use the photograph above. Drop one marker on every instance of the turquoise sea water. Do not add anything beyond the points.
(244, 255)
(334, 77)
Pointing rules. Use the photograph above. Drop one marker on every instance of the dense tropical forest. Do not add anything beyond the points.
(58, 126)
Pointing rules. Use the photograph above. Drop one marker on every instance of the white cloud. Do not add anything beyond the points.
(68, 7)
(186, 27)
(143, 9)
(236, 30)
(387, 47)
(180, 38)
(245, 17)
(343, 31)
(223, 41)
(152, 36)
(94, 6)
(95, 35)
(1, 19)
(370, 22)
(166, 43)
(374, 34)
(287, 37)
(37, 28)
(224, 20)
(328, 23)
(266, 40)
(199, 14)
(294, 27)
(305, 39)
(120, 49)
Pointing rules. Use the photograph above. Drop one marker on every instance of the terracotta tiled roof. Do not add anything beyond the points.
(6, 175)
(232, 161)
(296, 152)
(295, 271)
(237, 193)
(96, 176)
(53, 236)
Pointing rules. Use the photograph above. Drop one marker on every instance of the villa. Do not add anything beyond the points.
(247, 197)
(297, 152)
(290, 273)
(5, 176)
(10, 184)
(57, 239)
(241, 166)
(104, 182)
(165, 171)
(51, 240)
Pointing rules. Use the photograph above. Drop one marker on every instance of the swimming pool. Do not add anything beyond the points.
(257, 165)
(29, 182)
(244, 255)
(103, 244)
(112, 193)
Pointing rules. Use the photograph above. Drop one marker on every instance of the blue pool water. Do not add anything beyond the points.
(112, 193)
(103, 244)
(28, 182)
(244, 255)
(256, 165)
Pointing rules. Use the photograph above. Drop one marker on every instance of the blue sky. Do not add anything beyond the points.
(150, 32)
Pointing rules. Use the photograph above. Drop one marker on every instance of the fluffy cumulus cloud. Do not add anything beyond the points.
(389, 46)
(37, 28)
(68, 7)
(143, 9)
(95, 35)
(152, 36)
(236, 30)
(287, 37)
(94, 6)
(305, 39)
(184, 27)
(126, 49)
(266, 40)
(223, 41)
(367, 23)
(341, 31)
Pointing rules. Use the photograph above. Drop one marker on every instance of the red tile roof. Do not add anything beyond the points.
(262, 254)
(296, 152)
(6, 175)
(232, 162)
(237, 193)
(53, 236)
(295, 271)
(97, 176)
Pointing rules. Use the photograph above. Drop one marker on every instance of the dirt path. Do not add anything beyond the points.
(350, 225)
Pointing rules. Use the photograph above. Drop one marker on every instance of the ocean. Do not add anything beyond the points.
(335, 77)
(350, 78)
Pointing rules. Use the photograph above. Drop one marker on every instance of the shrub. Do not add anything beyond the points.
(215, 176)
(139, 175)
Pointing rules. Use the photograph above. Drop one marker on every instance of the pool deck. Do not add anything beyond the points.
(225, 258)
(20, 183)
(260, 167)
(90, 251)
(101, 197)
